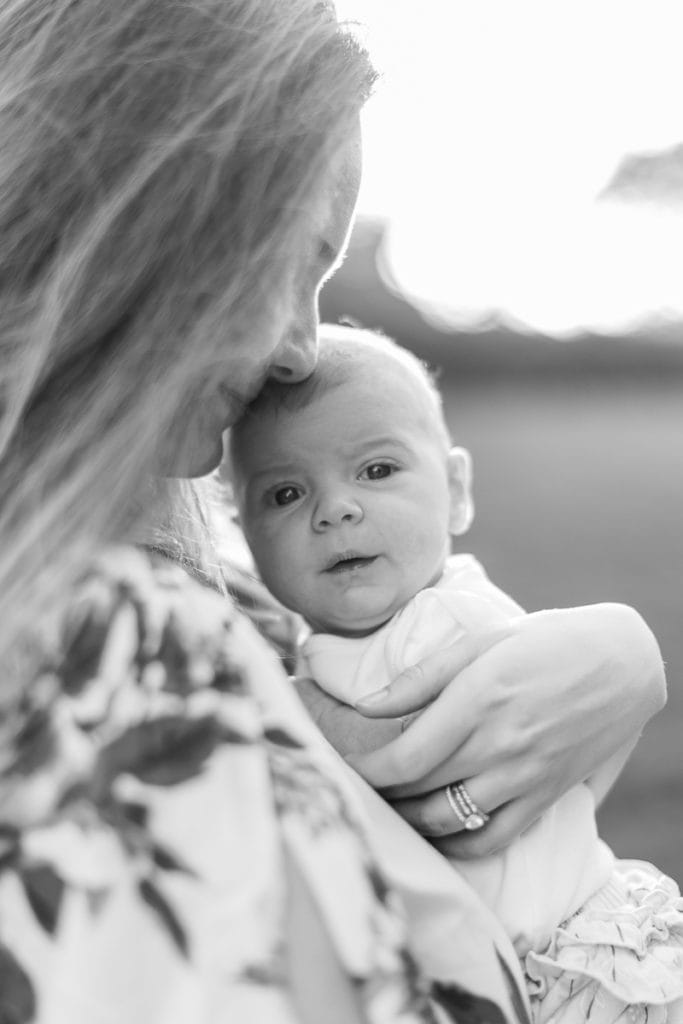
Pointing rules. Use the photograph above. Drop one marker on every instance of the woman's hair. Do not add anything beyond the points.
(160, 161)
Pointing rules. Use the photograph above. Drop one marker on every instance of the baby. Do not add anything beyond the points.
(350, 492)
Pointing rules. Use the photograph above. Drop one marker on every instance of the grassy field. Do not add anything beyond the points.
(579, 492)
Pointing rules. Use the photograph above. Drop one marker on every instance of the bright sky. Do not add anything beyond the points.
(495, 127)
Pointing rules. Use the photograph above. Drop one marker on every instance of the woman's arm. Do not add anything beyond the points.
(520, 714)
(323, 992)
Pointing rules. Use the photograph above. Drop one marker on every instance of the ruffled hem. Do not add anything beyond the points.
(618, 958)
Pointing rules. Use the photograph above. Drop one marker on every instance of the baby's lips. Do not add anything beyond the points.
(338, 560)
(341, 556)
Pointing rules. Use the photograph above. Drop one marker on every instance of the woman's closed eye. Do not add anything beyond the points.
(378, 471)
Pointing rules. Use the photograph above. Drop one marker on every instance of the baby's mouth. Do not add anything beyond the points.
(347, 561)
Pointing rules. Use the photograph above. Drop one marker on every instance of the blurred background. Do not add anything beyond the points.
(521, 228)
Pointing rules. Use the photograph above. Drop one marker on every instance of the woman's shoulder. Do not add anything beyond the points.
(142, 679)
(135, 610)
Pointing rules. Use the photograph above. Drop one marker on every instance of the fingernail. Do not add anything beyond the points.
(373, 698)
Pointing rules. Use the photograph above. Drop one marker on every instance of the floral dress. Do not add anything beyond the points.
(160, 787)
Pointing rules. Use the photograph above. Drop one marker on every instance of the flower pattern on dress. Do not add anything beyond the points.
(147, 704)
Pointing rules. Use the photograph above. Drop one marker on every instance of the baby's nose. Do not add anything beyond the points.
(337, 509)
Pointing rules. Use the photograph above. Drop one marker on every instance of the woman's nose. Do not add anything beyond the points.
(296, 356)
(336, 509)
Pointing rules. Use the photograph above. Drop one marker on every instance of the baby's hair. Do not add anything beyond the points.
(161, 160)
(340, 349)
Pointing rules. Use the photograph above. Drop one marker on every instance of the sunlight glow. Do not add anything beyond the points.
(495, 128)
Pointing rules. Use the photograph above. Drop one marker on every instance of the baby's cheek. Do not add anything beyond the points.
(264, 548)
(425, 550)
(419, 537)
(257, 541)
(286, 557)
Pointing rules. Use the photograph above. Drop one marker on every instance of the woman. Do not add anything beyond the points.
(176, 182)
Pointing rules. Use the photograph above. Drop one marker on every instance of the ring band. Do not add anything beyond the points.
(464, 808)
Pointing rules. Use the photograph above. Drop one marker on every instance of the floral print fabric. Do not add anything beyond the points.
(149, 801)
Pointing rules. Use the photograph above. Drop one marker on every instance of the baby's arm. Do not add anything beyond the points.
(341, 725)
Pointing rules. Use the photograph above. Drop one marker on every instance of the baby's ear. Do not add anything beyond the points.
(460, 488)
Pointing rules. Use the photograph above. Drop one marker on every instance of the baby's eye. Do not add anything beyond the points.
(378, 471)
(285, 495)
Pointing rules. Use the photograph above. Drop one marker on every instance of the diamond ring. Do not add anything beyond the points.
(464, 808)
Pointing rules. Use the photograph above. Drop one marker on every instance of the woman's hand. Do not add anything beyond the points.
(520, 715)
(347, 730)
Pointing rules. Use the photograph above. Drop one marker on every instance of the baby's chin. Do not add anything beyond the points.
(351, 626)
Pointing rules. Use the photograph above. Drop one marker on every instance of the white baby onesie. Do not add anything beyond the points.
(548, 873)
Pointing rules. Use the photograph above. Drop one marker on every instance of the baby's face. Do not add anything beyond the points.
(345, 503)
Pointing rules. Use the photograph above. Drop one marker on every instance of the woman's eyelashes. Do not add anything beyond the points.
(327, 255)
(331, 258)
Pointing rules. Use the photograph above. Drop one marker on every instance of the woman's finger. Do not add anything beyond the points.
(506, 823)
(435, 735)
(401, 766)
(477, 754)
(422, 682)
(433, 814)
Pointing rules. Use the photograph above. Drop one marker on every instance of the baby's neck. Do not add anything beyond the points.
(351, 634)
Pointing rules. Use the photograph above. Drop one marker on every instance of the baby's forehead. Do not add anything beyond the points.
(361, 357)
(360, 377)
(372, 375)
(360, 354)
